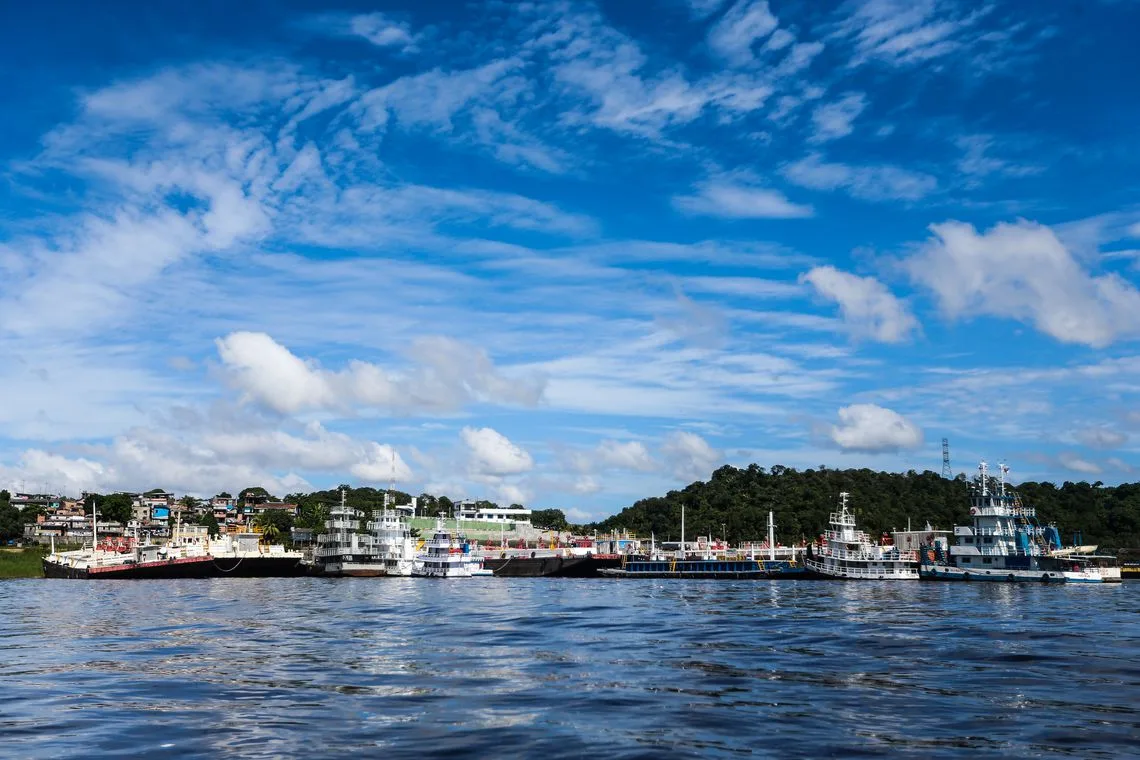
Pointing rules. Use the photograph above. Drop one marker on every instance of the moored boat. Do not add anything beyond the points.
(190, 553)
(344, 550)
(1006, 544)
(712, 567)
(446, 555)
(849, 554)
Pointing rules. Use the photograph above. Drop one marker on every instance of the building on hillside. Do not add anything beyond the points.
(45, 501)
(274, 506)
(482, 512)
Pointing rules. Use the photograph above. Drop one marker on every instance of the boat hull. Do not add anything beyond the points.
(900, 572)
(549, 567)
(192, 567)
(959, 575)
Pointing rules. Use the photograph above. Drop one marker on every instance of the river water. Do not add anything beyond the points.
(547, 668)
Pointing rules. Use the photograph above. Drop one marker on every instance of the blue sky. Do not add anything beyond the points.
(563, 253)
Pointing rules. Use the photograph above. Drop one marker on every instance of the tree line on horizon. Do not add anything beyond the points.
(734, 503)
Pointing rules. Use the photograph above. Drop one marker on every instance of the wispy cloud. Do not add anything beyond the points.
(834, 120)
(871, 183)
(739, 197)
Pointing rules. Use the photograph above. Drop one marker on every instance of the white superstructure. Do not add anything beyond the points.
(446, 555)
(1005, 543)
(344, 549)
(847, 552)
(393, 537)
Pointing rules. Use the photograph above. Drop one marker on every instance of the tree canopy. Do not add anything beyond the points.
(551, 519)
(739, 500)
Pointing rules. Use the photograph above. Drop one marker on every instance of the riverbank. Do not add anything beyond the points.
(22, 563)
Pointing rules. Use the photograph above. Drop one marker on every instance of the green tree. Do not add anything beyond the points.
(277, 521)
(255, 491)
(550, 519)
(445, 505)
(210, 522)
(116, 507)
(11, 526)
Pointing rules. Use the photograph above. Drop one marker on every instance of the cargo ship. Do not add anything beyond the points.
(710, 567)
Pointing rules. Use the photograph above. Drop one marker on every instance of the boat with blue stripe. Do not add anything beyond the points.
(1007, 544)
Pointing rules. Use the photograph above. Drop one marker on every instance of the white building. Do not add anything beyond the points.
(470, 510)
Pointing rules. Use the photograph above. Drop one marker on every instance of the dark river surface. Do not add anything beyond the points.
(547, 668)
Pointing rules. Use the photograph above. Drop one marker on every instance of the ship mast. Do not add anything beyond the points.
(771, 536)
(984, 472)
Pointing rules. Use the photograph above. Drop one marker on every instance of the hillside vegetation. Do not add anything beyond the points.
(739, 500)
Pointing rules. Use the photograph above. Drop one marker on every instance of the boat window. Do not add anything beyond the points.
(966, 559)
(986, 560)
(968, 540)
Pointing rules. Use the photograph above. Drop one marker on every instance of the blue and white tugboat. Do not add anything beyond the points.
(1006, 544)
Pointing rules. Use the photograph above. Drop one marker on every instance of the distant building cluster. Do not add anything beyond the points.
(153, 513)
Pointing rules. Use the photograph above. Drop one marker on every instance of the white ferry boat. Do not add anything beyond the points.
(344, 550)
(393, 538)
(1006, 544)
(849, 553)
(446, 555)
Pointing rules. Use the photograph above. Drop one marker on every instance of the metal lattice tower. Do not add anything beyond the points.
(946, 459)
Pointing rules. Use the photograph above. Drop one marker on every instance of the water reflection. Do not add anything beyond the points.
(263, 668)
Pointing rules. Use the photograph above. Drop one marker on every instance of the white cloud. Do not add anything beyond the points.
(1022, 271)
(492, 454)
(906, 32)
(630, 455)
(744, 24)
(872, 428)
(1071, 461)
(867, 305)
(448, 375)
(688, 456)
(739, 198)
(1101, 437)
(976, 161)
(203, 460)
(871, 183)
(703, 8)
(834, 120)
(383, 31)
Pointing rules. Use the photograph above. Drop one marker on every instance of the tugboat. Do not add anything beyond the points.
(448, 555)
(1006, 544)
(344, 551)
(848, 553)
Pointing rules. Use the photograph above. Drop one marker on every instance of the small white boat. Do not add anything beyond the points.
(446, 555)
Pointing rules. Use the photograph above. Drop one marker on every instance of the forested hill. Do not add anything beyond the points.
(739, 499)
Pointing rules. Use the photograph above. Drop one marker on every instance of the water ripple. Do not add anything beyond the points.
(564, 668)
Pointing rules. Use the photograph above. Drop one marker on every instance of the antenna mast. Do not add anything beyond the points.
(946, 459)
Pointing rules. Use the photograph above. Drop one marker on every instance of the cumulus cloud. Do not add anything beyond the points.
(492, 454)
(739, 198)
(1023, 271)
(447, 375)
(203, 461)
(872, 428)
(688, 456)
(868, 307)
